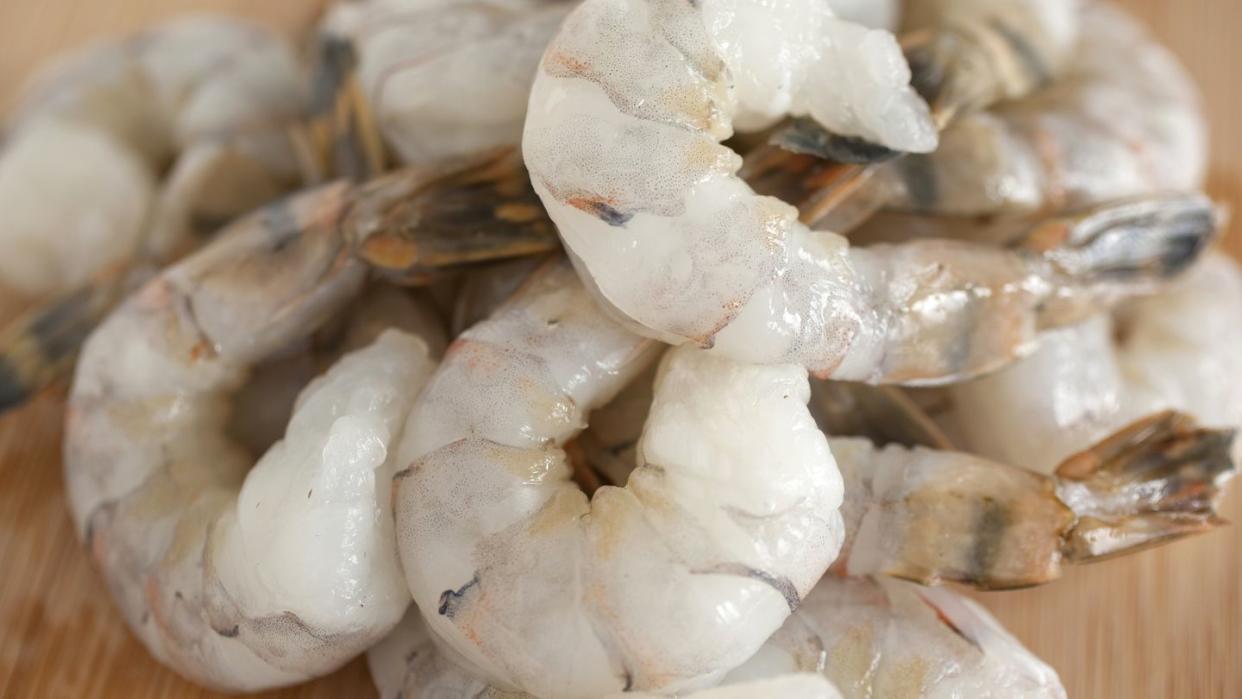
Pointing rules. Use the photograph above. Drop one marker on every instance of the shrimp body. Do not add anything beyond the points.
(1171, 350)
(665, 584)
(666, 235)
(243, 578)
(887, 638)
(1123, 120)
(93, 132)
(447, 78)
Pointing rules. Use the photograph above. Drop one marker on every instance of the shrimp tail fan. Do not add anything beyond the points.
(414, 223)
(1156, 480)
(1129, 242)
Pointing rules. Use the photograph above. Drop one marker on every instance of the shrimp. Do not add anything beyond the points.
(1124, 120)
(446, 78)
(665, 584)
(887, 638)
(211, 566)
(409, 663)
(871, 637)
(685, 252)
(78, 177)
(1171, 350)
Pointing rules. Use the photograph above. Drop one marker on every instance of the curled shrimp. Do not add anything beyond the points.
(1124, 120)
(210, 565)
(1171, 350)
(887, 638)
(409, 663)
(664, 584)
(92, 134)
(672, 241)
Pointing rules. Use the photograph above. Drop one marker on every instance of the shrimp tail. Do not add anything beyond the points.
(340, 137)
(42, 344)
(414, 223)
(1156, 480)
(1152, 238)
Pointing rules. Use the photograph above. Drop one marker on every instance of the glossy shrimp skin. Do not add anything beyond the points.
(93, 133)
(243, 580)
(512, 564)
(1123, 120)
(887, 638)
(670, 240)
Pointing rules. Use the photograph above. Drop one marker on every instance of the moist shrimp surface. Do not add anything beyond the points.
(669, 238)
(243, 578)
(78, 176)
(665, 584)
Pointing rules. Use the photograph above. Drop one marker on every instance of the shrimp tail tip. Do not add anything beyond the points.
(805, 136)
(1155, 480)
(1154, 238)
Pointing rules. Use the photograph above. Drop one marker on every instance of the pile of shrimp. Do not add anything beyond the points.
(542, 348)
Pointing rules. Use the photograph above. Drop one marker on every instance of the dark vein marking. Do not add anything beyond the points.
(451, 600)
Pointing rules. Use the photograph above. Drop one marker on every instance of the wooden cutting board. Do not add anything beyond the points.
(1166, 623)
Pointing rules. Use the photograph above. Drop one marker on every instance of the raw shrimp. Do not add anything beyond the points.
(94, 132)
(1124, 120)
(1172, 350)
(670, 239)
(665, 584)
(409, 663)
(886, 638)
(226, 587)
(446, 78)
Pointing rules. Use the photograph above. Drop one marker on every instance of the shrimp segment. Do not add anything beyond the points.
(665, 234)
(664, 584)
(296, 574)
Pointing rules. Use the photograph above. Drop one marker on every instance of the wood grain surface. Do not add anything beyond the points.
(1165, 623)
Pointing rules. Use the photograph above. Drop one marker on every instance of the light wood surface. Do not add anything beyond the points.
(1165, 623)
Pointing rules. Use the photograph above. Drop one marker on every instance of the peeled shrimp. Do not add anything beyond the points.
(1124, 120)
(664, 584)
(446, 78)
(78, 176)
(885, 638)
(671, 240)
(222, 585)
(1172, 350)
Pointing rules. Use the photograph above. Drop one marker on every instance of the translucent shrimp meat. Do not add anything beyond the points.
(243, 578)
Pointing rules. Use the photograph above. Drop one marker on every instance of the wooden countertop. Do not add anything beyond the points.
(1165, 623)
